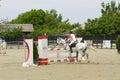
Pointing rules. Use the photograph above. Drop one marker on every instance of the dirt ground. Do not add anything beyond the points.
(104, 65)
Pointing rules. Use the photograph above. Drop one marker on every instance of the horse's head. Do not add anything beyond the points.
(61, 41)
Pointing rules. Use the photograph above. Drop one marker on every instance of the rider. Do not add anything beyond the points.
(71, 40)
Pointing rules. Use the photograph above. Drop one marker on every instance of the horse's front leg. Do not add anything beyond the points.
(79, 58)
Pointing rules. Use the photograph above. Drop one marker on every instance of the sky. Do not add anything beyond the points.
(74, 10)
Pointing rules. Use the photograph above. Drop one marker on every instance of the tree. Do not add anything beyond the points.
(110, 8)
(77, 29)
(107, 24)
(45, 22)
(14, 33)
(35, 53)
(118, 43)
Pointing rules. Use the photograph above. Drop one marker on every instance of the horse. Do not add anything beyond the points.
(80, 48)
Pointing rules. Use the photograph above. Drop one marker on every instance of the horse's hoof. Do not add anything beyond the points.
(83, 59)
(88, 61)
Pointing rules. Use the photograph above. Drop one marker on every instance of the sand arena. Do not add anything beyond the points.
(104, 65)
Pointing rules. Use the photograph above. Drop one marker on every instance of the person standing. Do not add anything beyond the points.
(3, 47)
(0, 44)
(1, 40)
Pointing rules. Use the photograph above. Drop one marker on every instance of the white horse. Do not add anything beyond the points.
(80, 48)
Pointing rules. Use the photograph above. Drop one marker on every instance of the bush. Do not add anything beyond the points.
(118, 44)
(35, 53)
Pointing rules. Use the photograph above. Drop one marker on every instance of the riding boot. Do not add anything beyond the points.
(71, 51)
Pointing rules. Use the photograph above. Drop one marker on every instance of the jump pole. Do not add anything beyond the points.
(29, 56)
(43, 52)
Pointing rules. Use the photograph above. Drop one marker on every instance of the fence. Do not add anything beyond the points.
(96, 42)
(14, 44)
(103, 43)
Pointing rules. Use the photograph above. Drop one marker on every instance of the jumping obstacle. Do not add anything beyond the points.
(43, 52)
(28, 43)
(52, 49)
(60, 55)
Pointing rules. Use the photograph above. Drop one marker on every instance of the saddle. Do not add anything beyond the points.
(73, 44)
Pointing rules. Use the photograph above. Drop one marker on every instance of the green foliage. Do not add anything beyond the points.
(35, 53)
(44, 22)
(118, 42)
(14, 33)
(108, 24)
(77, 29)
(110, 7)
(5, 34)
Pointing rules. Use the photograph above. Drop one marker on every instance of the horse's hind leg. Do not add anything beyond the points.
(76, 55)
(87, 55)
(84, 53)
